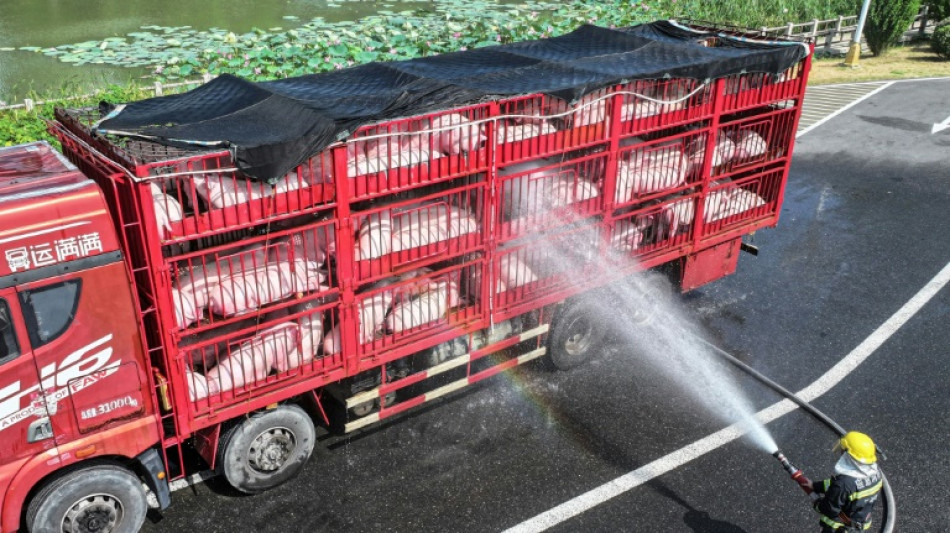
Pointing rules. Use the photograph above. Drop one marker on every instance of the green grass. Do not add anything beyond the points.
(902, 62)
(19, 126)
(758, 13)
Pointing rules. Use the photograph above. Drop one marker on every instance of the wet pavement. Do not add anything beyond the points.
(864, 227)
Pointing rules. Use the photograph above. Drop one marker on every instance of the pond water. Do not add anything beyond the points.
(47, 23)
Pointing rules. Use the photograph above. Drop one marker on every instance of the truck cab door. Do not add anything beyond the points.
(83, 333)
(25, 428)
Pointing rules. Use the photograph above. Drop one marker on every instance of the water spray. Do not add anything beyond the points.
(645, 291)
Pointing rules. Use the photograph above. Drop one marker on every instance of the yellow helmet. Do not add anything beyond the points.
(859, 446)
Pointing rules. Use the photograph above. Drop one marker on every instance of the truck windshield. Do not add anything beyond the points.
(9, 349)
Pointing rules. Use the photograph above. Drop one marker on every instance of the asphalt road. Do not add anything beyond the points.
(865, 226)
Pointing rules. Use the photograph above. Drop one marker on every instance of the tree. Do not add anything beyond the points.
(940, 41)
(939, 9)
(887, 21)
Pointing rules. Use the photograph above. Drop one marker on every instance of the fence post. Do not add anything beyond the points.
(789, 29)
(158, 88)
(814, 29)
(832, 34)
(28, 104)
(924, 11)
(764, 31)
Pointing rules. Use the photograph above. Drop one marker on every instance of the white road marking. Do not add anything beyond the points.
(842, 110)
(823, 384)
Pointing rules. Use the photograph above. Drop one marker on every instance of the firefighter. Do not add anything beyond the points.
(846, 499)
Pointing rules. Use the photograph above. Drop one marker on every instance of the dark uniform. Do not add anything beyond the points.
(846, 502)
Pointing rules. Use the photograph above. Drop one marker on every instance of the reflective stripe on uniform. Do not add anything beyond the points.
(827, 484)
(833, 524)
(870, 491)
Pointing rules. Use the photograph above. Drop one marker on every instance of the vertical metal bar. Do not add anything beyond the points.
(712, 138)
(489, 216)
(348, 320)
(861, 20)
(490, 223)
(613, 147)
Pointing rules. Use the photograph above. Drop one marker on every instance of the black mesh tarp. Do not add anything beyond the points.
(273, 126)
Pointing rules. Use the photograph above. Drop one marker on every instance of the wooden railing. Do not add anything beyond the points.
(158, 88)
(827, 33)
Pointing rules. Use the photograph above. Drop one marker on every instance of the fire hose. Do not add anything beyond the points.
(889, 511)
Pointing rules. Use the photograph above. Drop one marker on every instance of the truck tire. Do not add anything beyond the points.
(362, 409)
(266, 449)
(650, 293)
(576, 333)
(102, 498)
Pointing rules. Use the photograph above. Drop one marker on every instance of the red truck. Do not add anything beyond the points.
(155, 295)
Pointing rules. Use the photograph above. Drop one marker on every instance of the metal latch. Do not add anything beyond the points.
(39, 430)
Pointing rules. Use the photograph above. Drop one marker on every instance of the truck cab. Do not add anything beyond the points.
(74, 387)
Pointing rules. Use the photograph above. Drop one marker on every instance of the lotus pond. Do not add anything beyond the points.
(43, 41)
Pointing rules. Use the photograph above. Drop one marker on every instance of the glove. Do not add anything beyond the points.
(803, 482)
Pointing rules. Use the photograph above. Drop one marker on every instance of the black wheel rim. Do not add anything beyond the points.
(96, 513)
(271, 450)
(579, 336)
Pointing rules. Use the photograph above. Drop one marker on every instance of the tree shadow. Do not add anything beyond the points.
(696, 519)
(898, 123)
(923, 47)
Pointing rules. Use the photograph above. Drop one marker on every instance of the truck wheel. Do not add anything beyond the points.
(650, 294)
(103, 498)
(389, 398)
(266, 449)
(362, 409)
(576, 333)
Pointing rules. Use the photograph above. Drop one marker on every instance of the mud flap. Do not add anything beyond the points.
(710, 264)
(156, 478)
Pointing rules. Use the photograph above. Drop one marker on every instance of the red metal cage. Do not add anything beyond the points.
(422, 229)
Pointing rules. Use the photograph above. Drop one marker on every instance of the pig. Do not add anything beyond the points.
(514, 132)
(167, 210)
(246, 289)
(254, 359)
(431, 305)
(749, 145)
(453, 134)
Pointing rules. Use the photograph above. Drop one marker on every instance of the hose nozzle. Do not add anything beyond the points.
(795, 473)
(784, 462)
